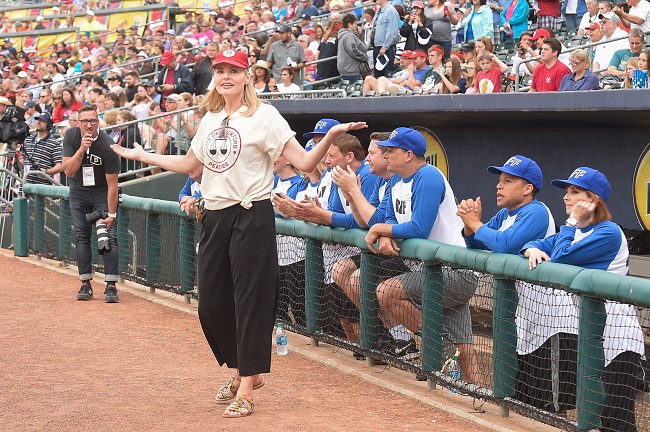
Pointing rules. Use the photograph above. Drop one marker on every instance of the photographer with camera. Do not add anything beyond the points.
(92, 169)
(41, 151)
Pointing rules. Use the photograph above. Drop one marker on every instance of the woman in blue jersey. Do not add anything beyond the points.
(591, 240)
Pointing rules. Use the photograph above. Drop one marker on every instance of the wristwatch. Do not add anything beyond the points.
(113, 215)
(572, 222)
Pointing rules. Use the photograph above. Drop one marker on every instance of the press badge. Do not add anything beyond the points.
(88, 175)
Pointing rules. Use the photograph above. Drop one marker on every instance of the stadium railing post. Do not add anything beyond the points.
(186, 255)
(21, 227)
(153, 248)
(591, 362)
(39, 224)
(369, 318)
(432, 316)
(313, 285)
(65, 222)
(505, 339)
(123, 219)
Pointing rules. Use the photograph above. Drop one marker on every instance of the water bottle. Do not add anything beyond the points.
(453, 368)
(281, 340)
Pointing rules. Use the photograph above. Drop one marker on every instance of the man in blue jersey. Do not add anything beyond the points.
(346, 271)
(421, 204)
(544, 317)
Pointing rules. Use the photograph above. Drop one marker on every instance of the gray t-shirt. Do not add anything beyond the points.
(279, 55)
(440, 25)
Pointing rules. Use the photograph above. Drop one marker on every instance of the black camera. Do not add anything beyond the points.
(103, 241)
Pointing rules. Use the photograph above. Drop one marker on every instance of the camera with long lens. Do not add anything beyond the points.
(103, 241)
(13, 128)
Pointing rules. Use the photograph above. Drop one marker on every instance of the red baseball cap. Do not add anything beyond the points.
(418, 53)
(540, 33)
(593, 26)
(232, 57)
(166, 58)
(438, 50)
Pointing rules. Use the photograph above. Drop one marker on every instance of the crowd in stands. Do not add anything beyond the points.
(382, 47)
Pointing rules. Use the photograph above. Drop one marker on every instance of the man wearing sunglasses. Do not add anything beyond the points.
(92, 168)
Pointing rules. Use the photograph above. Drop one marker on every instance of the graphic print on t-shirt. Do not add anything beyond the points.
(222, 149)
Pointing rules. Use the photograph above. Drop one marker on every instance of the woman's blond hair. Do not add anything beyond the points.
(214, 102)
(634, 61)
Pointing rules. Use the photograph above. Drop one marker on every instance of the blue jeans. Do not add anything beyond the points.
(572, 21)
(390, 53)
(83, 201)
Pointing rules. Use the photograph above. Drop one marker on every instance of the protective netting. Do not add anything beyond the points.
(536, 330)
(518, 342)
(149, 244)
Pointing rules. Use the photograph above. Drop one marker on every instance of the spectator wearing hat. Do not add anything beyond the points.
(351, 50)
(637, 17)
(21, 80)
(185, 24)
(478, 22)
(306, 8)
(9, 48)
(370, 83)
(538, 38)
(169, 39)
(145, 67)
(609, 22)
(39, 23)
(383, 38)
(550, 71)
(202, 72)
(31, 111)
(286, 52)
(305, 22)
(41, 151)
(263, 81)
(416, 28)
(90, 26)
(417, 72)
(173, 77)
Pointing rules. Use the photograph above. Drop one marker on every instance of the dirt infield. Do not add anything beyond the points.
(141, 366)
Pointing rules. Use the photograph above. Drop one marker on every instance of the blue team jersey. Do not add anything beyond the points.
(508, 231)
(342, 216)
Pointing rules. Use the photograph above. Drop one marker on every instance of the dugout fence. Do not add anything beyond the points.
(158, 249)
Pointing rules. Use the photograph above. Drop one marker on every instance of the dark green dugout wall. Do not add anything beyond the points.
(607, 130)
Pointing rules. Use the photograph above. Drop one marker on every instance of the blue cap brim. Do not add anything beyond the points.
(562, 184)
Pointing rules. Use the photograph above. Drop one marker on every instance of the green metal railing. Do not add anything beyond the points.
(593, 287)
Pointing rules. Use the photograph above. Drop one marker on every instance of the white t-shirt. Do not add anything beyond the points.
(641, 10)
(605, 51)
(238, 161)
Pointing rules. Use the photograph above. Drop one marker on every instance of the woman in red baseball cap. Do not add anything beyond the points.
(237, 142)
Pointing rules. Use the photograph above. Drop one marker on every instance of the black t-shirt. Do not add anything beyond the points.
(101, 157)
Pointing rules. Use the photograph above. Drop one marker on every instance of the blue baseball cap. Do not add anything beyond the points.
(587, 178)
(310, 145)
(521, 166)
(322, 127)
(44, 116)
(406, 139)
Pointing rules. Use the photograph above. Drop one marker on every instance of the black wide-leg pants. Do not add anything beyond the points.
(239, 285)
